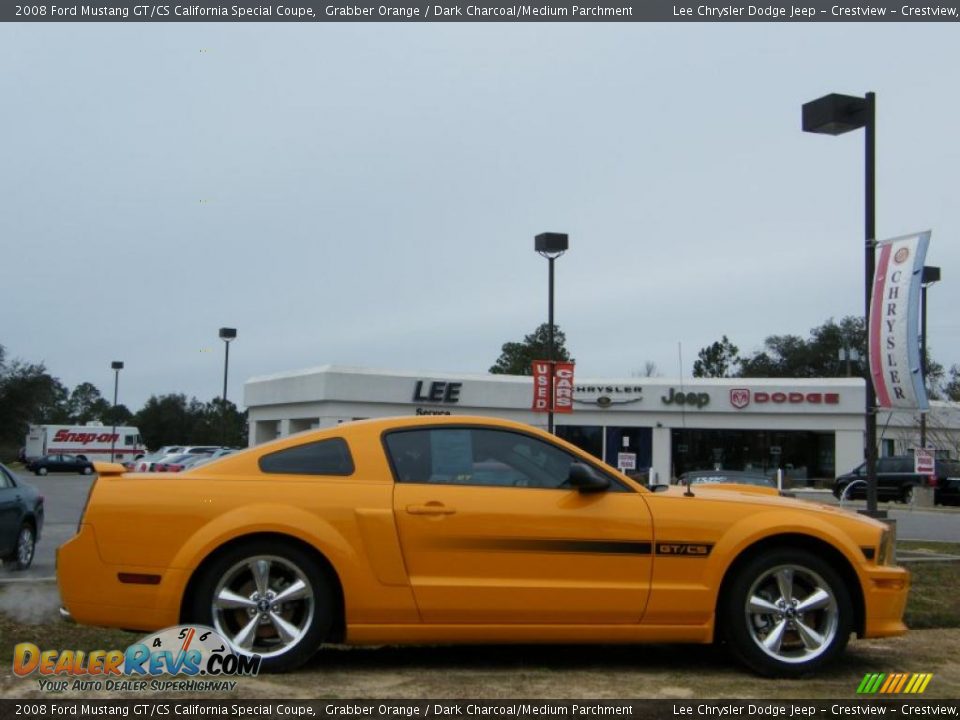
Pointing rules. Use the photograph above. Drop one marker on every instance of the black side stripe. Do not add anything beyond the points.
(595, 547)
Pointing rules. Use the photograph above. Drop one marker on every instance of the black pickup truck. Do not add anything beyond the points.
(897, 481)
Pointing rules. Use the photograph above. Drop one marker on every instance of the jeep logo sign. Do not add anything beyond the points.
(678, 397)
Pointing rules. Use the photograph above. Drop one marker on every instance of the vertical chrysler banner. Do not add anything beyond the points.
(552, 386)
(894, 323)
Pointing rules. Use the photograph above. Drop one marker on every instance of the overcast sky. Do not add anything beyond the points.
(368, 194)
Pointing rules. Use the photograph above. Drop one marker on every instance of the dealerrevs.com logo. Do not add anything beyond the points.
(194, 651)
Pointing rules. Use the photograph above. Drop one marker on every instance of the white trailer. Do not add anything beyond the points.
(92, 441)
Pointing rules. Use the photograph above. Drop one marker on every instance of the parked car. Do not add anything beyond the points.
(757, 482)
(60, 463)
(726, 477)
(21, 520)
(166, 454)
(179, 463)
(438, 530)
(897, 481)
(215, 455)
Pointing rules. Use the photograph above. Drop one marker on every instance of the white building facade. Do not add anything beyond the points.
(812, 428)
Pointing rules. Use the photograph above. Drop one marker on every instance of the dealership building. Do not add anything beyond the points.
(812, 428)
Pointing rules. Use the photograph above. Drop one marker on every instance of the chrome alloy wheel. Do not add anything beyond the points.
(792, 614)
(263, 605)
(26, 543)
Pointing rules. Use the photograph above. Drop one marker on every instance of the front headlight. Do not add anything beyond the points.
(886, 553)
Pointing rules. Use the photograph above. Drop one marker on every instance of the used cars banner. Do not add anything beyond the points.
(552, 386)
(894, 323)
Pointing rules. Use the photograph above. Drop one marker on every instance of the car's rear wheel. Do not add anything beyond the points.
(908, 494)
(87, 470)
(268, 598)
(24, 549)
(786, 613)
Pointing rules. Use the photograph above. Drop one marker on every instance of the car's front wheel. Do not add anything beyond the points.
(786, 613)
(41, 471)
(268, 598)
(908, 494)
(24, 549)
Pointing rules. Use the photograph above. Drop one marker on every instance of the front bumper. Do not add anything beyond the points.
(885, 591)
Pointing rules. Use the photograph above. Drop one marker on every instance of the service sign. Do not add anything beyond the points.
(923, 461)
(894, 323)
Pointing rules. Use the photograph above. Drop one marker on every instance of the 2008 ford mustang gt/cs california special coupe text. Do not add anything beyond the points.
(470, 529)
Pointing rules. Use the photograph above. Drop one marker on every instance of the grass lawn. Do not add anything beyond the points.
(933, 597)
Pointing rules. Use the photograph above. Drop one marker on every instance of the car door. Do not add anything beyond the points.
(492, 533)
(9, 512)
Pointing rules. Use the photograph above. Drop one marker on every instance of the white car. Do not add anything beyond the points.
(165, 454)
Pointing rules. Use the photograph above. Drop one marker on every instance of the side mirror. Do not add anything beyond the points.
(586, 480)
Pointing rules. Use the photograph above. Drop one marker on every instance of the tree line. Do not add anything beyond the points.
(825, 353)
(30, 395)
(786, 356)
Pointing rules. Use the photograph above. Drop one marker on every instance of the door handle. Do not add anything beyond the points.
(431, 508)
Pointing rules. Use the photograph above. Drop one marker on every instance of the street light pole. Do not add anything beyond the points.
(931, 274)
(870, 252)
(116, 366)
(551, 246)
(226, 334)
(834, 115)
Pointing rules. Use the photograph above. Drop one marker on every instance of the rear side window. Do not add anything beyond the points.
(327, 457)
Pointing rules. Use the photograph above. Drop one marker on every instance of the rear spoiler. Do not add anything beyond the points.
(108, 469)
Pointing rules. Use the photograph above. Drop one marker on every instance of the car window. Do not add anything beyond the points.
(903, 465)
(6, 480)
(477, 456)
(948, 468)
(326, 457)
(67, 458)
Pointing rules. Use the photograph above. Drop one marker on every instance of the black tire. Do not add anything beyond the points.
(42, 471)
(309, 611)
(908, 494)
(24, 550)
(780, 639)
(87, 470)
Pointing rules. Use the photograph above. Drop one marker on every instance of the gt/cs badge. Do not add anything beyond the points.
(684, 549)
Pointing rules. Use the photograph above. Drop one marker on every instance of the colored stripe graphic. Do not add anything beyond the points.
(894, 683)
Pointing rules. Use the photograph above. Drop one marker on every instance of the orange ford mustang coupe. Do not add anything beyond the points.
(470, 529)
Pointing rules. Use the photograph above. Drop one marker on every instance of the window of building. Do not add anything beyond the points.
(586, 437)
(326, 457)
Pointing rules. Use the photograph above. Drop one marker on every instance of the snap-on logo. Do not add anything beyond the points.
(84, 438)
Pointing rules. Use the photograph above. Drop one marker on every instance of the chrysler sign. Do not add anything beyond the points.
(741, 397)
